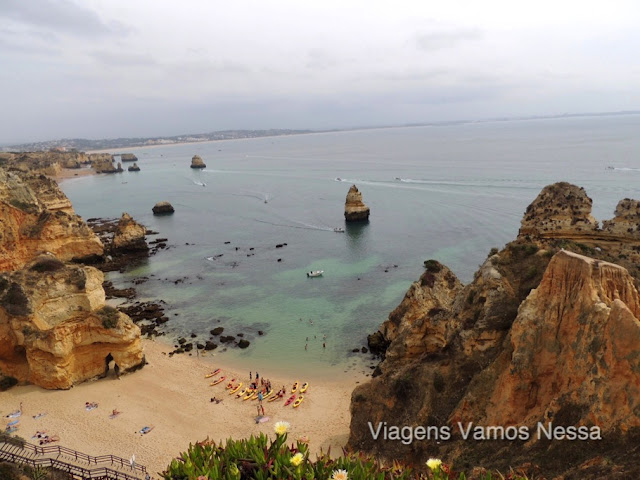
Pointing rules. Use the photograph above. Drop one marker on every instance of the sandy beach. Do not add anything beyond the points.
(172, 395)
(66, 173)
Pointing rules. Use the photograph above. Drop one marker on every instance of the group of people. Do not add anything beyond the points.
(90, 405)
(43, 437)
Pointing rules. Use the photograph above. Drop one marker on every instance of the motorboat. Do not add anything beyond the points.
(315, 273)
(338, 230)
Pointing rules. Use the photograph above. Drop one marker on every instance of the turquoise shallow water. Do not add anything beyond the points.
(449, 193)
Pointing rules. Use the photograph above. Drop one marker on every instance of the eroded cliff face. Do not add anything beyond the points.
(43, 162)
(55, 330)
(542, 334)
(36, 217)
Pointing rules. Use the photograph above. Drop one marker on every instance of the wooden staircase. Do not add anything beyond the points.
(76, 464)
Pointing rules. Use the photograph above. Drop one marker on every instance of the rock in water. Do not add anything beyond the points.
(128, 157)
(129, 235)
(55, 329)
(196, 162)
(163, 208)
(134, 168)
(354, 209)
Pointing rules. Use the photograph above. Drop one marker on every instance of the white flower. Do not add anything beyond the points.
(434, 464)
(297, 459)
(281, 428)
(339, 475)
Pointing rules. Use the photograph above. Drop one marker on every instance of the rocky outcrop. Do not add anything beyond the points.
(134, 168)
(626, 223)
(103, 164)
(196, 162)
(129, 236)
(128, 157)
(43, 162)
(36, 217)
(354, 209)
(163, 208)
(542, 334)
(55, 330)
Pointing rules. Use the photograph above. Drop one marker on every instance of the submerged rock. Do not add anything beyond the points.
(354, 209)
(163, 208)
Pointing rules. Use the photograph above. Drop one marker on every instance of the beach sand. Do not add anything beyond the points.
(66, 173)
(172, 395)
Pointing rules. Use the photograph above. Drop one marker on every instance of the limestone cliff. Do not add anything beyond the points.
(36, 217)
(354, 209)
(542, 334)
(55, 330)
(43, 162)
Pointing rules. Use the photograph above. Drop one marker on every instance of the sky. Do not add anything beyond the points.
(129, 68)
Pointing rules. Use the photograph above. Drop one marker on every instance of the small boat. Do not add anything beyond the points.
(220, 380)
(242, 392)
(230, 384)
(295, 387)
(315, 273)
(249, 394)
(291, 399)
(212, 374)
(297, 403)
(275, 397)
(304, 387)
(338, 230)
(235, 389)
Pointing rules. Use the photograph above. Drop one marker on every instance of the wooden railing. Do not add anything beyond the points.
(60, 458)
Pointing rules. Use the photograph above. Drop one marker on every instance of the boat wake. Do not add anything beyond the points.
(624, 169)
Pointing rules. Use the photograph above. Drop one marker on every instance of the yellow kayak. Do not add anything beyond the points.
(220, 380)
(274, 398)
(249, 394)
(304, 387)
(295, 387)
(235, 389)
(240, 394)
(297, 403)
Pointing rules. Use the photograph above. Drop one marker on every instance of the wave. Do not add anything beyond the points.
(202, 184)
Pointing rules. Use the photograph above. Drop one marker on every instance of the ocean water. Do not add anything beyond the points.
(444, 192)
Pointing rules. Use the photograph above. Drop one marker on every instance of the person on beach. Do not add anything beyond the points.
(250, 377)
(262, 409)
(260, 397)
(257, 376)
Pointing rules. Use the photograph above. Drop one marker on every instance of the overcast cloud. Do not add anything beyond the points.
(114, 68)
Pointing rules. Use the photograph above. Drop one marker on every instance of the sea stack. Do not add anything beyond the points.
(163, 208)
(128, 157)
(119, 168)
(134, 168)
(130, 235)
(196, 162)
(354, 209)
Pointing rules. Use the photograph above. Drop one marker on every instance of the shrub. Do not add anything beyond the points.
(9, 471)
(15, 301)
(260, 458)
(493, 251)
(432, 266)
(47, 264)
(109, 316)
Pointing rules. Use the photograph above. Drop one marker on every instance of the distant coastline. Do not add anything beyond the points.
(110, 145)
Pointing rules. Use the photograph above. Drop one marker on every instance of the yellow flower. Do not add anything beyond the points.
(297, 459)
(434, 464)
(281, 428)
(339, 475)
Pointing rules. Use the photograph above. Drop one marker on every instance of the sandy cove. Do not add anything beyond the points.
(171, 394)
